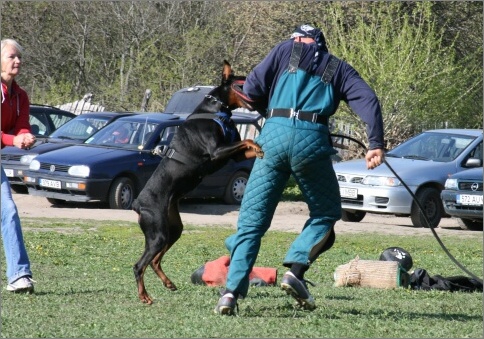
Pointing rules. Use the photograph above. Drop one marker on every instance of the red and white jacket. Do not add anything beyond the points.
(15, 113)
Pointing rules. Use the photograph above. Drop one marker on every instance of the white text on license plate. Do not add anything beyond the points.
(467, 199)
(347, 192)
(8, 172)
(50, 183)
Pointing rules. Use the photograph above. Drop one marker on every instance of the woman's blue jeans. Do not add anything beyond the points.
(18, 264)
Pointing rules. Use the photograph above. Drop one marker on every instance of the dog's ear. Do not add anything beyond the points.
(227, 72)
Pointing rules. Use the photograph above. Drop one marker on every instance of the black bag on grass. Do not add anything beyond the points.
(421, 280)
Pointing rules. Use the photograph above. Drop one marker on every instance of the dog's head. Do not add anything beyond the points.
(229, 95)
(237, 98)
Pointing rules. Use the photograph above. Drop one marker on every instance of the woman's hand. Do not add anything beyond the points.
(24, 140)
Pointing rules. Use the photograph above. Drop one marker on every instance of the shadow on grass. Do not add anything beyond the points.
(103, 291)
(397, 316)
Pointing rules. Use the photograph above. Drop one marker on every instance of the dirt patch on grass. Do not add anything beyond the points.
(289, 216)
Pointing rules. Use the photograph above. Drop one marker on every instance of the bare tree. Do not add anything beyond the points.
(118, 49)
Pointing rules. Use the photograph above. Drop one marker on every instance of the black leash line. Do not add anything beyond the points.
(421, 209)
(432, 228)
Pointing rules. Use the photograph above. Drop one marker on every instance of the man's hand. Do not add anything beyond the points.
(374, 158)
(24, 140)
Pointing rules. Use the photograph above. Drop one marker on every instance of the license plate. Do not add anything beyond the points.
(467, 199)
(50, 183)
(9, 172)
(347, 192)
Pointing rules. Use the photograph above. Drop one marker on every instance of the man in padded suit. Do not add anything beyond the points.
(303, 85)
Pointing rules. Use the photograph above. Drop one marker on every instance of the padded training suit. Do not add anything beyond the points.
(295, 147)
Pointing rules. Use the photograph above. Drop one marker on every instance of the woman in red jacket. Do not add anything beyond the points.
(15, 132)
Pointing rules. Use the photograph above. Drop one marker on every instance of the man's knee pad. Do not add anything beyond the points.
(330, 241)
(323, 245)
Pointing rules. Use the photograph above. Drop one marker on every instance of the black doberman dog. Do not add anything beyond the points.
(199, 147)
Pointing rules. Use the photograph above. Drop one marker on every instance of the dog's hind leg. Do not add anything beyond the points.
(154, 251)
(139, 271)
(156, 266)
(175, 229)
(154, 243)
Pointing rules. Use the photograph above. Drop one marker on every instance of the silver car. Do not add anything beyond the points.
(423, 162)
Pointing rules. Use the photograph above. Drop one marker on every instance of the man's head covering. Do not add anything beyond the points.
(308, 31)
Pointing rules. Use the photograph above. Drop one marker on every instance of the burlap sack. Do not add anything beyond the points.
(371, 273)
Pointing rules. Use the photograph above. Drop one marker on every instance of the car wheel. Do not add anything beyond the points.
(470, 225)
(236, 188)
(56, 201)
(121, 195)
(355, 216)
(429, 199)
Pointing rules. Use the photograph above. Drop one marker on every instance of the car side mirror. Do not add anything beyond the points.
(473, 162)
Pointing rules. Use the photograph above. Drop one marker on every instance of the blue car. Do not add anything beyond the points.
(15, 160)
(115, 163)
(462, 198)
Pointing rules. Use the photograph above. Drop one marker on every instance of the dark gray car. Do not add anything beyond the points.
(462, 198)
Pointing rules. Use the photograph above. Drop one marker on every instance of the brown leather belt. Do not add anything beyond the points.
(300, 115)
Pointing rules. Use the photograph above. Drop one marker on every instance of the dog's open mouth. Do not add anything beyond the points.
(250, 104)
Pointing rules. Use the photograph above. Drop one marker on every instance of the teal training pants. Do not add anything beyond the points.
(302, 149)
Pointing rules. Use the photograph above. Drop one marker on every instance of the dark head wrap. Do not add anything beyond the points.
(308, 31)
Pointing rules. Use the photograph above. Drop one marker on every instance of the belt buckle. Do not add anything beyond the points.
(295, 114)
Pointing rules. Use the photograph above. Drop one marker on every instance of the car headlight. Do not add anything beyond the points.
(34, 165)
(380, 181)
(27, 159)
(451, 184)
(79, 171)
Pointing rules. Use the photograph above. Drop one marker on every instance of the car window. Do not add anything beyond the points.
(124, 134)
(145, 133)
(59, 119)
(432, 146)
(247, 131)
(166, 135)
(80, 128)
(39, 124)
(97, 123)
(186, 100)
(476, 152)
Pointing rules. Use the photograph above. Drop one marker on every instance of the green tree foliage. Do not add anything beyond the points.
(424, 59)
(420, 82)
(115, 50)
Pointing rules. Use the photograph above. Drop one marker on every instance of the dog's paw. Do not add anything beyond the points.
(259, 153)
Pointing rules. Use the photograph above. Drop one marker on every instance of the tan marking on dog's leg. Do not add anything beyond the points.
(142, 293)
(156, 266)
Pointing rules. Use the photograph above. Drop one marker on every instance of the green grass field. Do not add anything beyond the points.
(86, 289)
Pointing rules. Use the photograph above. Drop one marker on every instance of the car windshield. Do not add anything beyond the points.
(442, 147)
(123, 134)
(80, 128)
